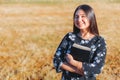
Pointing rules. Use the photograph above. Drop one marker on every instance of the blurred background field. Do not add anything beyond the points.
(31, 30)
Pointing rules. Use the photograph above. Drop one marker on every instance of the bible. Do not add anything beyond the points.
(80, 53)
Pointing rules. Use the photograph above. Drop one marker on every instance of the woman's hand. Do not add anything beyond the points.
(69, 59)
(75, 63)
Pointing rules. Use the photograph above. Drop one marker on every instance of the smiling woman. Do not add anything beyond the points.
(28, 36)
(81, 20)
(85, 33)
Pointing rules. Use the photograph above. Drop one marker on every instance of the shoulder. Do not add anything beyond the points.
(70, 36)
(101, 41)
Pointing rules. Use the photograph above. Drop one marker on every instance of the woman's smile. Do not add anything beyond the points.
(81, 20)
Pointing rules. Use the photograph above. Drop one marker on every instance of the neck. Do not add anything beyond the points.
(85, 34)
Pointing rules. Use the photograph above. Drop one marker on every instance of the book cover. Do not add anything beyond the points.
(80, 53)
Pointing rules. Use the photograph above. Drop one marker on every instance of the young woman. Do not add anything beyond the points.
(85, 33)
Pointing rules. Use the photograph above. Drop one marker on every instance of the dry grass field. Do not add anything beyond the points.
(31, 30)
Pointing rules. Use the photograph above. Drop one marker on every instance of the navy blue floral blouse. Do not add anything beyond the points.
(97, 58)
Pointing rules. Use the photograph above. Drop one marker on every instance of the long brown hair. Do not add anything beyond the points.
(91, 16)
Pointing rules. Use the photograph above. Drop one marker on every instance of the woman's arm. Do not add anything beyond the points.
(59, 55)
(66, 66)
(76, 64)
(98, 61)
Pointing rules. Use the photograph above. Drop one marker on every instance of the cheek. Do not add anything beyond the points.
(75, 21)
(87, 21)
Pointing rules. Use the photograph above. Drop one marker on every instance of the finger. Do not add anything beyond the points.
(67, 54)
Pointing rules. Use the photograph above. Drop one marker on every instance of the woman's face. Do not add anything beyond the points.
(81, 21)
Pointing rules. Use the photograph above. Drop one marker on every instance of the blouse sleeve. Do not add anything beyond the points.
(98, 61)
(59, 54)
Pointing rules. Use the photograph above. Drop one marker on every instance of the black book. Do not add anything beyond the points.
(80, 53)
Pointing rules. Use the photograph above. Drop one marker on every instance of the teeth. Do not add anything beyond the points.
(82, 22)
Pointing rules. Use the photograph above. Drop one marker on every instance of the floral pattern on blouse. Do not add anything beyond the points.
(97, 58)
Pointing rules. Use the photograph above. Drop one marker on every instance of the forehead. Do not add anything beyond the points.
(80, 12)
